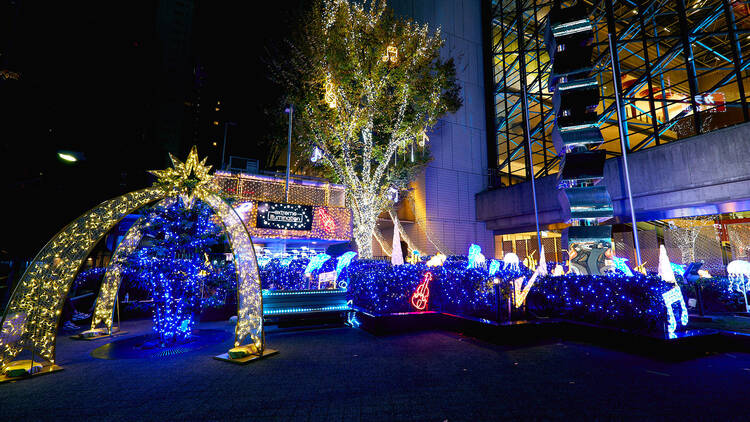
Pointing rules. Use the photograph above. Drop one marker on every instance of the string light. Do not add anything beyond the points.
(671, 297)
(436, 260)
(476, 258)
(316, 263)
(36, 303)
(330, 95)
(391, 54)
(335, 64)
(612, 299)
(343, 261)
(272, 215)
(105, 302)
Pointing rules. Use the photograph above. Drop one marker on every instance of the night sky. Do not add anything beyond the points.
(93, 80)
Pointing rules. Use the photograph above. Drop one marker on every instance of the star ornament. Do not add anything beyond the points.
(188, 179)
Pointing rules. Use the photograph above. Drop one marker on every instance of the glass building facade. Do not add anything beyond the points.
(684, 67)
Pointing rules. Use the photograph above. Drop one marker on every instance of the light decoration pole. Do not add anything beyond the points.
(367, 85)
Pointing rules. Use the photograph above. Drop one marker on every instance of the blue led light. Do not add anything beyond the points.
(316, 262)
(344, 261)
(296, 310)
(620, 264)
(494, 267)
(302, 292)
(173, 266)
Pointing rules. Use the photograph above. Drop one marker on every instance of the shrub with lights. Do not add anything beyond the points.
(457, 287)
(280, 275)
(380, 288)
(172, 264)
(628, 302)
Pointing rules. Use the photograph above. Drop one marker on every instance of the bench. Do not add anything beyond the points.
(303, 304)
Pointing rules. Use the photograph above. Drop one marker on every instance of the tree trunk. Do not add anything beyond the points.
(363, 230)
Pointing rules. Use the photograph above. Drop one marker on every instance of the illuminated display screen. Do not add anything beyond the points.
(273, 215)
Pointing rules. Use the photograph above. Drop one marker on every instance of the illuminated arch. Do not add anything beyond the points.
(249, 306)
(105, 302)
(33, 312)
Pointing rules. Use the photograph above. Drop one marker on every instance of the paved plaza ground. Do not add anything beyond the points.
(346, 374)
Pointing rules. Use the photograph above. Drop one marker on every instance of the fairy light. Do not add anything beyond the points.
(391, 54)
(43, 287)
(33, 312)
(613, 299)
(436, 260)
(105, 302)
(330, 95)
(316, 263)
(328, 223)
(343, 261)
(670, 298)
(346, 78)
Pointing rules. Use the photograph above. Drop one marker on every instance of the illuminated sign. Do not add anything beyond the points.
(273, 215)
(328, 223)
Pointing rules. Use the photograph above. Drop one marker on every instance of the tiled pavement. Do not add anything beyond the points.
(345, 374)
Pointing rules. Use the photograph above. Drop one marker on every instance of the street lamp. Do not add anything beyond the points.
(289, 110)
(70, 156)
(224, 148)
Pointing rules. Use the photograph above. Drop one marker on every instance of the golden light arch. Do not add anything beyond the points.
(33, 313)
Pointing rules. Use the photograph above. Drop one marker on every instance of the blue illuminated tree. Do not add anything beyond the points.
(173, 265)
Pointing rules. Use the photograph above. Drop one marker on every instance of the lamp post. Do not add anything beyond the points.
(623, 146)
(289, 110)
(224, 147)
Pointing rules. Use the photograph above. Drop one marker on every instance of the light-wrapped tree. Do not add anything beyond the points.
(366, 86)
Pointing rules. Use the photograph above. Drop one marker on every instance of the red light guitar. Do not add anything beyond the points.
(422, 295)
(326, 220)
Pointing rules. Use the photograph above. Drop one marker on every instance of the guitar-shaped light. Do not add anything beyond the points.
(422, 295)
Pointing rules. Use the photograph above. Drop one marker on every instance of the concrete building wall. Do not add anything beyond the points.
(444, 195)
(702, 175)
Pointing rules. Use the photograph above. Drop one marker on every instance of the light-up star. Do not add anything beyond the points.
(186, 179)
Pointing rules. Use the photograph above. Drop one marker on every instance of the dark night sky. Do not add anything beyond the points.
(92, 81)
